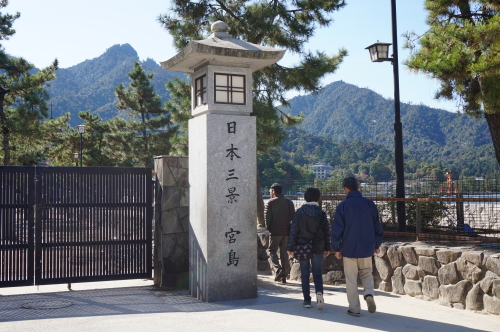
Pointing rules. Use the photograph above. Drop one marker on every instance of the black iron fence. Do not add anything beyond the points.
(449, 210)
(73, 224)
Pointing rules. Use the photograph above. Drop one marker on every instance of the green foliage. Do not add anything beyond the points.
(343, 113)
(461, 49)
(22, 96)
(281, 24)
(431, 213)
(149, 121)
(179, 108)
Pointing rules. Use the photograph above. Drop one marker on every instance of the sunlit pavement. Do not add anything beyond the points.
(136, 305)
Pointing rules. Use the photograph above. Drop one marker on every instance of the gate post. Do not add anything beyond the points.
(171, 237)
(223, 163)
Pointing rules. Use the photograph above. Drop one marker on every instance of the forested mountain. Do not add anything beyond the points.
(345, 112)
(344, 125)
(90, 85)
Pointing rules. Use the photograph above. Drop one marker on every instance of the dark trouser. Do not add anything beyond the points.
(317, 269)
(279, 243)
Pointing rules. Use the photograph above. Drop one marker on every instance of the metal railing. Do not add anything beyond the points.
(460, 211)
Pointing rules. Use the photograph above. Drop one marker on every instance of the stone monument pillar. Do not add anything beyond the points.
(222, 163)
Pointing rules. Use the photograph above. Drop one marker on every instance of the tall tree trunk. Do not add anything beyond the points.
(5, 128)
(493, 121)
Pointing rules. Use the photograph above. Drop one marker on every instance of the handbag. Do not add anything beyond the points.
(303, 251)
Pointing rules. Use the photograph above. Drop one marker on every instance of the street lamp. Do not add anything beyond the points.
(75, 155)
(378, 53)
(81, 131)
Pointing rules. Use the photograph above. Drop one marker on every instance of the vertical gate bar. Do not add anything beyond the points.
(37, 188)
(10, 227)
(149, 225)
(137, 195)
(91, 253)
(104, 222)
(15, 230)
(110, 246)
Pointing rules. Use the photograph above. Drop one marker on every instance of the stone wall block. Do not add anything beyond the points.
(398, 281)
(495, 288)
(333, 276)
(413, 287)
(409, 254)
(454, 293)
(183, 214)
(491, 304)
(411, 272)
(448, 274)
(425, 251)
(474, 299)
(184, 197)
(263, 238)
(181, 176)
(384, 268)
(170, 198)
(429, 264)
(263, 266)
(395, 256)
(383, 251)
(447, 256)
(332, 263)
(183, 162)
(295, 271)
(385, 286)
(468, 271)
(493, 264)
(430, 287)
(486, 284)
(170, 222)
(474, 257)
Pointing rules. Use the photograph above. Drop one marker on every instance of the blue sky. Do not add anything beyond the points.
(75, 30)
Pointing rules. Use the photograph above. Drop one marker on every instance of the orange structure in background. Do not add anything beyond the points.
(450, 188)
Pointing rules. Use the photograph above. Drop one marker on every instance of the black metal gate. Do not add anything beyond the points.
(74, 224)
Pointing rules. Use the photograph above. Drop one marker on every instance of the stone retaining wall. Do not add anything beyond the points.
(462, 278)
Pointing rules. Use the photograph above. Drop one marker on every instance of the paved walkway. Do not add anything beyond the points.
(137, 306)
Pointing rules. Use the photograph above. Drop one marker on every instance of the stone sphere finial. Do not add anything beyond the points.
(220, 26)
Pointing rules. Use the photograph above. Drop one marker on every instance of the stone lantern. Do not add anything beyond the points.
(222, 163)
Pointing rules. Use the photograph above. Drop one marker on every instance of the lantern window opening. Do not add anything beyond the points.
(230, 89)
(200, 87)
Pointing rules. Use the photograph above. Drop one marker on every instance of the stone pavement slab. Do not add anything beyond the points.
(139, 306)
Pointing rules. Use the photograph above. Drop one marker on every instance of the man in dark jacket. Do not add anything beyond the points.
(356, 235)
(310, 225)
(279, 212)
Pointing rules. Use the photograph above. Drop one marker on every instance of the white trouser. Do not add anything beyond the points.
(353, 267)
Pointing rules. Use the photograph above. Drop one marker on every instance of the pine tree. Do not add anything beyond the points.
(461, 49)
(150, 122)
(22, 91)
(280, 24)
(179, 107)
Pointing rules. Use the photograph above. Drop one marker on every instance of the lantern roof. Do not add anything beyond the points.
(221, 48)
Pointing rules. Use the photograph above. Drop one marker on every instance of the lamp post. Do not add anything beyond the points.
(75, 155)
(378, 53)
(81, 131)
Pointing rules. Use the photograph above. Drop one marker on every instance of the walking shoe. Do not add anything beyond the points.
(356, 314)
(278, 275)
(319, 299)
(283, 280)
(306, 304)
(371, 303)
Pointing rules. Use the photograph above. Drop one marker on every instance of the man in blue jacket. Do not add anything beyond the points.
(356, 235)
